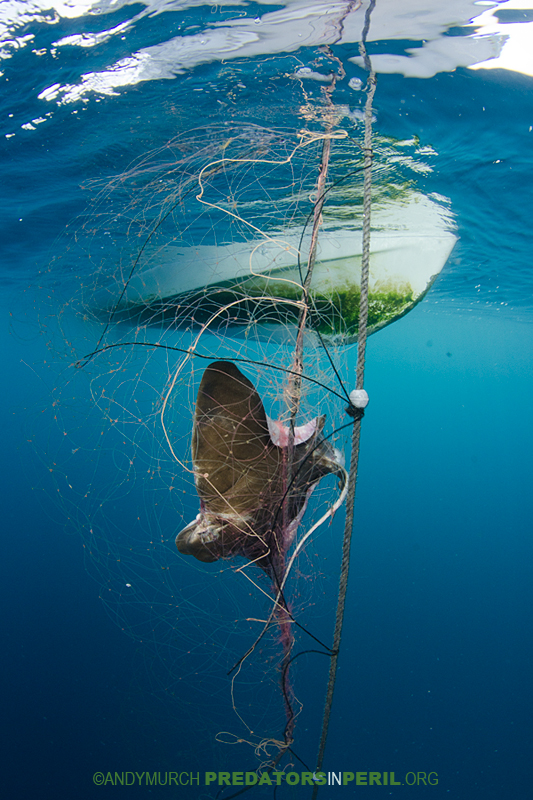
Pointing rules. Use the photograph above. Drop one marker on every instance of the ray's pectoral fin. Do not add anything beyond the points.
(235, 465)
(238, 455)
(230, 432)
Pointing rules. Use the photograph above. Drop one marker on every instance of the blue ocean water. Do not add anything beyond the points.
(436, 654)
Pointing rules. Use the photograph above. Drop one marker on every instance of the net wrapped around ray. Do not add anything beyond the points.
(195, 272)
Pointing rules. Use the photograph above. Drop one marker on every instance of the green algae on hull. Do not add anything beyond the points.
(336, 313)
(256, 286)
(238, 305)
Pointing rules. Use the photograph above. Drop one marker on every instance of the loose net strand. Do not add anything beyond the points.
(360, 372)
(294, 393)
(295, 381)
(279, 606)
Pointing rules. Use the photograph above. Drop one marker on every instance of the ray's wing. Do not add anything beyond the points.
(230, 434)
(236, 465)
(238, 456)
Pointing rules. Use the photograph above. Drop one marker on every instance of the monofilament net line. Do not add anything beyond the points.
(294, 397)
(360, 372)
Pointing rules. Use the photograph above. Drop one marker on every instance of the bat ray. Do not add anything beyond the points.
(248, 505)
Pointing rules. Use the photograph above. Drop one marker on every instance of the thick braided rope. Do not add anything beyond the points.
(360, 371)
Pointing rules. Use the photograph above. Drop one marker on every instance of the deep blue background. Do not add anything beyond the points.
(437, 651)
